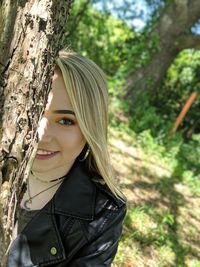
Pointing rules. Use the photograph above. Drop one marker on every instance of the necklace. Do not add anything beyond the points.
(29, 201)
(46, 182)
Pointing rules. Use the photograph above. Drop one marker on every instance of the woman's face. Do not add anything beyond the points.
(61, 140)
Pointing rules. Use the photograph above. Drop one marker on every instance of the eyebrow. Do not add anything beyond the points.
(64, 111)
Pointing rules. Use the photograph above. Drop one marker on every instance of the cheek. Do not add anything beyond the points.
(42, 128)
(72, 141)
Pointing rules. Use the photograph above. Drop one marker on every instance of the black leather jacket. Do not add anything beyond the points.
(80, 226)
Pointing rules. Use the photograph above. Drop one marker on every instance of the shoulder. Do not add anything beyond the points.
(107, 223)
(109, 210)
(95, 237)
(89, 215)
(106, 200)
(83, 197)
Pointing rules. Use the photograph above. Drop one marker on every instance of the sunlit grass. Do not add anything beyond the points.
(162, 226)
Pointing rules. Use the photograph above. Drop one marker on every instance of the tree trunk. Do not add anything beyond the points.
(31, 33)
(173, 32)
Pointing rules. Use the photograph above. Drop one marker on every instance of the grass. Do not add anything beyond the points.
(162, 226)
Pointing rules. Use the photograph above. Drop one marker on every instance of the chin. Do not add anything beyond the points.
(41, 167)
(41, 170)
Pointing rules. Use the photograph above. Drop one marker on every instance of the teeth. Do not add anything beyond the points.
(43, 152)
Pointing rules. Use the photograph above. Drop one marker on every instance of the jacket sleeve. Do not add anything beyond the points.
(101, 249)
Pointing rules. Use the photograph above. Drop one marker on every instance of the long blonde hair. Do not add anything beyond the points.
(87, 90)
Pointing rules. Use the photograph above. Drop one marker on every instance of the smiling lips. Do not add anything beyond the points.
(45, 154)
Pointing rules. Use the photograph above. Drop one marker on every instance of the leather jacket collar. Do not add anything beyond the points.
(77, 193)
(76, 196)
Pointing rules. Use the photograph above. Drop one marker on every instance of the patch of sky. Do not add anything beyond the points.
(196, 28)
(134, 13)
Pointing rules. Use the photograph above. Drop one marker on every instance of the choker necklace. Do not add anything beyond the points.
(47, 182)
(29, 200)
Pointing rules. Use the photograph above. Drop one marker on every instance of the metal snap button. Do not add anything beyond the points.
(53, 251)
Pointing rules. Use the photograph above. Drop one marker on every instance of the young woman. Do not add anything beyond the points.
(72, 212)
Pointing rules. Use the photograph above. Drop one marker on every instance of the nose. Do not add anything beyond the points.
(43, 130)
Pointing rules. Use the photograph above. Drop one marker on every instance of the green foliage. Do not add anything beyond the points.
(114, 46)
(146, 116)
(152, 128)
(158, 110)
(119, 51)
(181, 157)
(190, 154)
(181, 81)
(116, 83)
(101, 37)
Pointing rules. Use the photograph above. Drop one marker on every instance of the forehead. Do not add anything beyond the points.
(58, 97)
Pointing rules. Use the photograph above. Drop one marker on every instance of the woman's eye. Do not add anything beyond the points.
(66, 122)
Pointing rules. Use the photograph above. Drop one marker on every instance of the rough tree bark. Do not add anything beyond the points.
(31, 33)
(173, 30)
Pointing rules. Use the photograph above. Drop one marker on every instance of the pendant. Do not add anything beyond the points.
(27, 202)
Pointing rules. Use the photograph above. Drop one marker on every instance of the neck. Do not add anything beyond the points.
(52, 174)
(49, 181)
(35, 187)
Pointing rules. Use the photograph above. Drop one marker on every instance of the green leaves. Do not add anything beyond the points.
(101, 37)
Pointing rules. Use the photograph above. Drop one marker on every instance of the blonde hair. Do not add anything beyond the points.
(87, 90)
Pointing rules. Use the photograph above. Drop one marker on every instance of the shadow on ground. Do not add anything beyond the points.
(162, 227)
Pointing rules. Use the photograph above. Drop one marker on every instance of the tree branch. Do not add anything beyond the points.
(188, 41)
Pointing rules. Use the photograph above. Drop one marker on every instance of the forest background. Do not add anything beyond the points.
(157, 164)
